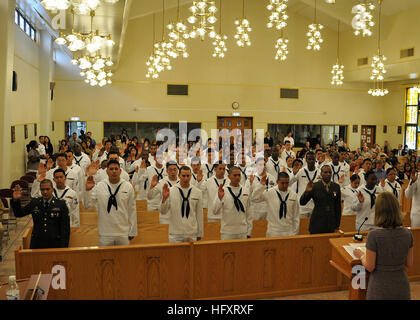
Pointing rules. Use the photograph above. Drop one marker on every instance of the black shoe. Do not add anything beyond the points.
(1, 258)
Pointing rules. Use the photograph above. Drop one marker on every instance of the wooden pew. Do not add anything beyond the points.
(235, 269)
(150, 231)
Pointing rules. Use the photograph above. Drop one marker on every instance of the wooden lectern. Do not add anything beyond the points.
(343, 262)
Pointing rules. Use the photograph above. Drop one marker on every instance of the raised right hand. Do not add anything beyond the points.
(263, 179)
(41, 169)
(92, 169)
(154, 182)
(221, 192)
(199, 175)
(360, 197)
(143, 164)
(17, 192)
(165, 192)
(309, 186)
(42, 176)
(90, 183)
(413, 176)
(50, 164)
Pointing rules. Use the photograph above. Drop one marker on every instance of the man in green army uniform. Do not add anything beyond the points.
(50, 216)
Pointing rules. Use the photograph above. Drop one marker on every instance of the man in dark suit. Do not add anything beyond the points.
(326, 194)
(50, 216)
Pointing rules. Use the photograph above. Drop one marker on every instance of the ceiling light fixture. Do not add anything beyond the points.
(203, 12)
(337, 69)
(278, 15)
(314, 35)
(363, 19)
(178, 34)
(242, 29)
(282, 48)
(220, 40)
(378, 65)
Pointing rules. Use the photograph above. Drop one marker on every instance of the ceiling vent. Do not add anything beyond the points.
(289, 93)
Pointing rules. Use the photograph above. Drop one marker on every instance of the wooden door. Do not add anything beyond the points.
(368, 135)
(231, 123)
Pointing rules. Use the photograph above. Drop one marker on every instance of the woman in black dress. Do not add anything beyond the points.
(389, 250)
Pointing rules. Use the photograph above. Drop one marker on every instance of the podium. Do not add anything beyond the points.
(344, 263)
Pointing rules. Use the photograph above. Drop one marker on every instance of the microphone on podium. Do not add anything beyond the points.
(358, 236)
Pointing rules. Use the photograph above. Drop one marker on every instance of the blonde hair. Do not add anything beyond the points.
(387, 211)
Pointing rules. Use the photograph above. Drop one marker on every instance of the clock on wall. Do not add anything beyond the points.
(235, 105)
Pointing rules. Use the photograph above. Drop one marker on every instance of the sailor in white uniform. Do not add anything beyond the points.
(155, 190)
(210, 186)
(80, 158)
(413, 192)
(302, 178)
(140, 181)
(182, 204)
(148, 173)
(339, 173)
(72, 180)
(391, 185)
(115, 202)
(349, 194)
(231, 204)
(274, 163)
(258, 205)
(287, 152)
(283, 209)
(364, 203)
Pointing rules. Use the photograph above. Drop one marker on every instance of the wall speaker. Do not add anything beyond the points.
(14, 81)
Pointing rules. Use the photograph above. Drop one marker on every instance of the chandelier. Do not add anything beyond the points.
(282, 48)
(80, 6)
(363, 18)
(337, 69)
(92, 41)
(97, 78)
(378, 66)
(278, 15)
(314, 35)
(94, 69)
(220, 39)
(160, 60)
(203, 12)
(177, 36)
(242, 29)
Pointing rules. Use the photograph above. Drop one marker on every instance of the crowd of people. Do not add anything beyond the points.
(272, 183)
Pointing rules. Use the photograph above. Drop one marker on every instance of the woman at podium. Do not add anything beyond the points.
(389, 250)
